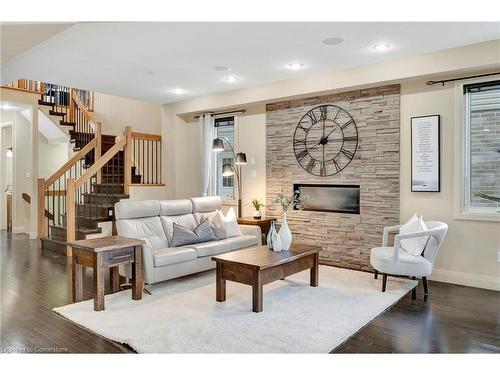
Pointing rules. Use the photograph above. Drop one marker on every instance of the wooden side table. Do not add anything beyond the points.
(264, 223)
(102, 254)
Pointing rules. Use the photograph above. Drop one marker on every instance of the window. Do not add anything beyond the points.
(224, 186)
(482, 145)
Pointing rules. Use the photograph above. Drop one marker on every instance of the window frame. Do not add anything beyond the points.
(225, 199)
(462, 156)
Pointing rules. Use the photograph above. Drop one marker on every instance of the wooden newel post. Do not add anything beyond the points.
(70, 214)
(98, 149)
(42, 223)
(128, 160)
(72, 106)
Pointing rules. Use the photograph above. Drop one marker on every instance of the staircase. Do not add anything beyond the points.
(80, 195)
(94, 202)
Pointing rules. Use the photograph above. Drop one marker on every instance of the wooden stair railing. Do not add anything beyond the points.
(52, 192)
(81, 191)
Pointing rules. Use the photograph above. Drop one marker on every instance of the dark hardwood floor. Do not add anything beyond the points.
(455, 319)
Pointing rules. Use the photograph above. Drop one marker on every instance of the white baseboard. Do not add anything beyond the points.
(467, 279)
(18, 229)
(33, 235)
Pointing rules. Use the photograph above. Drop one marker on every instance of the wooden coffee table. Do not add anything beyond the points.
(259, 266)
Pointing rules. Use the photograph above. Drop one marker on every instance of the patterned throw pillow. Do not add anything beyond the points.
(217, 225)
(185, 236)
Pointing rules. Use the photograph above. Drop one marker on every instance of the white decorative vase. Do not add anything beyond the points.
(285, 234)
(272, 232)
(276, 242)
(257, 214)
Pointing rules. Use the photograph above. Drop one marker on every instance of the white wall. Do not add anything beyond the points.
(6, 167)
(51, 156)
(469, 253)
(116, 113)
(23, 174)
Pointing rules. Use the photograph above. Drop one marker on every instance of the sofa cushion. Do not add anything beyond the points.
(136, 209)
(231, 224)
(217, 225)
(185, 236)
(240, 242)
(175, 207)
(149, 228)
(206, 204)
(224, 246)
(211, 248)
(382, 259)
(173, 255)
(186, 220)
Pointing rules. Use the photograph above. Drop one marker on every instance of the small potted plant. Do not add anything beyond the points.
(257, 205)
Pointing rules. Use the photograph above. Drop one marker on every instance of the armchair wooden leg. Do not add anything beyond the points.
(426, 289)
(414, 291)
(376, 275)
(384, 281)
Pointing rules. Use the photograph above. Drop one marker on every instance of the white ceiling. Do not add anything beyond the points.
(19, 37)
(146, 60)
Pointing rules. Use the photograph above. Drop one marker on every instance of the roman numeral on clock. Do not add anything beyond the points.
(299, 142)
(312, 116)
(347, 124)
(324, 112)
(310, 165)
(322, 169)
(347, 153)
(301, 155)
(336, 165)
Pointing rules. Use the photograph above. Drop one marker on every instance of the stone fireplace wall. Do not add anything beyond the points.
(346, 239)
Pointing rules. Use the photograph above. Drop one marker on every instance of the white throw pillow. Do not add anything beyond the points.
(414, 246)
(231, 224)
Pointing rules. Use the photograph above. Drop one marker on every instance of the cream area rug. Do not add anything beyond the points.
(182, 316)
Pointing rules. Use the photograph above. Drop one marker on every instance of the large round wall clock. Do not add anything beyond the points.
(325, 140)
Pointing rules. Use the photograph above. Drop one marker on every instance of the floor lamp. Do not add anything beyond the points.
(228, 169)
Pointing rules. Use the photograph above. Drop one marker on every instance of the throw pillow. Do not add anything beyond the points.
(414, 246)
(217, 225)
(231, 224)
(185, 236)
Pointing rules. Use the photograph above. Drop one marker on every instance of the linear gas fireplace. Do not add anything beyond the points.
(329, 198)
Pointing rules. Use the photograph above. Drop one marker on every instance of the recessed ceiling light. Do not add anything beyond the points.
(178, 91)
(333, 41)
(295, 65)
(221, 68)
(380, 47)
(231, 79)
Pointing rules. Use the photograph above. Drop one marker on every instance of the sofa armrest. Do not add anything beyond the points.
(147, 264)
(252, 230)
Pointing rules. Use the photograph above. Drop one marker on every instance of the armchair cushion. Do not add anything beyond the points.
(415, 245)
(382, 259)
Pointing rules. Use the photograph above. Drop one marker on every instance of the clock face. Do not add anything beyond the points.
(325, 140)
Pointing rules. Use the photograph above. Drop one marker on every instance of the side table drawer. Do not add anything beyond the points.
(119, 256)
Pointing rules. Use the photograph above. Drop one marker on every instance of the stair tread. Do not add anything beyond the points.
(80, 229)
(67, 123)
(107, 195)
(97, 219)
(47, 238)
(108, 184)
(95, 205)
(43, 102)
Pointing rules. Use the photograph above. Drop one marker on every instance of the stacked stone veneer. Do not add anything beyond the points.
(346, 239)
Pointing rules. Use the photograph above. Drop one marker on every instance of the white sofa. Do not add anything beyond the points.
(153, 221)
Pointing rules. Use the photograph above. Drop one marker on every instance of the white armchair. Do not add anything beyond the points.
(392, 260)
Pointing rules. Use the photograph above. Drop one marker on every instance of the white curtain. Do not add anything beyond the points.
(207, 137)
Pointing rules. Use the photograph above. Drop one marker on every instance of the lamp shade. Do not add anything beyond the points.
(227, 170)
(241, 158)
(217, 145)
